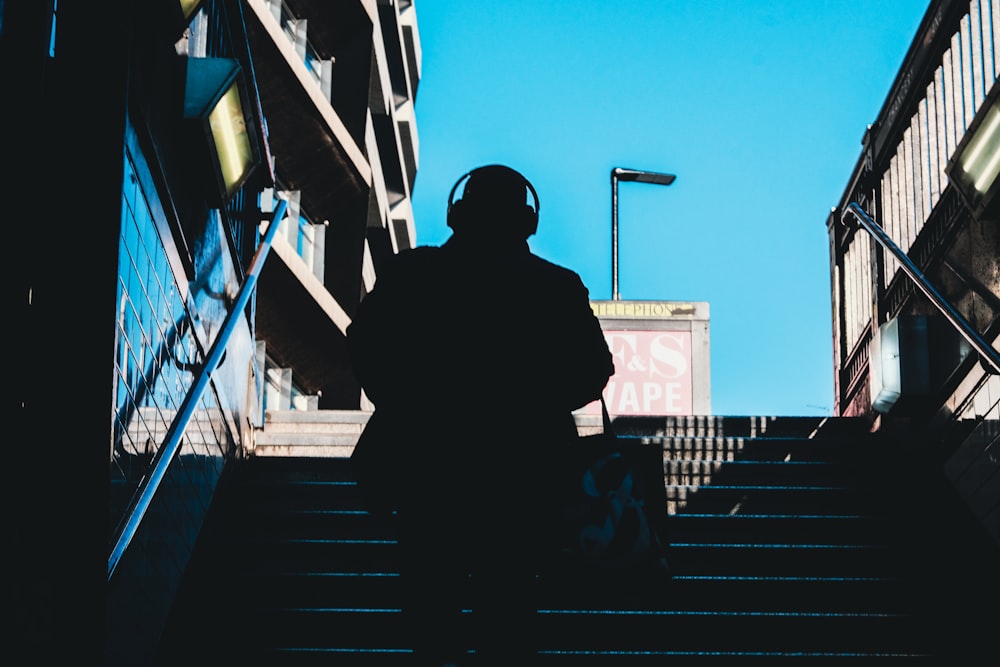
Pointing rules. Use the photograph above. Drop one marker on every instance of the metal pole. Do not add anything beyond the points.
(614, 235)
(175, 432)
(638, 176)
(986, 352)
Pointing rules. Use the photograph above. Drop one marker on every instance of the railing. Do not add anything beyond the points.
(306, 237)
(172, 440)
(987, 352)
(321, 69)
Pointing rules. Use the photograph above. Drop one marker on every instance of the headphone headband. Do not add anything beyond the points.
(528, 186)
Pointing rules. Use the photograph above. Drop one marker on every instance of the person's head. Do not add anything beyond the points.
(494, 204)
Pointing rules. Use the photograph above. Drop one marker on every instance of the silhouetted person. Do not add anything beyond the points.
(475, 354)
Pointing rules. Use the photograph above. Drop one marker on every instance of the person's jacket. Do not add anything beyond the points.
(468, 356)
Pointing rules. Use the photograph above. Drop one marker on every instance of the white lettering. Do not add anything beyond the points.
(673, 393)
(622, 346)
(669, 350)
(630, 398)
(651, 392)
(656, 398)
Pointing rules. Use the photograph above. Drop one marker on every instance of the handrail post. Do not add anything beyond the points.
(172, 441)
(986, 351)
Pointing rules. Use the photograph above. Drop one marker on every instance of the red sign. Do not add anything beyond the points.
(652, 373)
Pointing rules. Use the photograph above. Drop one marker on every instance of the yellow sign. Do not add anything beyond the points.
(642, 309)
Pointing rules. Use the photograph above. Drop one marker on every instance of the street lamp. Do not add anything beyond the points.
(216, 98)
(619, 174)
(974, 169)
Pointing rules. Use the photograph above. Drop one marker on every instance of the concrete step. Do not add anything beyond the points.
(797, 542)
(309, 433)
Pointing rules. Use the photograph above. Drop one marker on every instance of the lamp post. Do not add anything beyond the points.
(620, 174)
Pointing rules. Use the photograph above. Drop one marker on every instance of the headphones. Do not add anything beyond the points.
(524, 218)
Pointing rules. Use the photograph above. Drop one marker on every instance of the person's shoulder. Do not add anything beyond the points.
(417, 253)
(555, 281)
(555, 271)
(413, 258)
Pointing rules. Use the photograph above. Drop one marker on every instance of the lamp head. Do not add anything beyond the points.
(642, 176)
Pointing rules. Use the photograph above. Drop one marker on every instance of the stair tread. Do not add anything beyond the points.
(785, 539)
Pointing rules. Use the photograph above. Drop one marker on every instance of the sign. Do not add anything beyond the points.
(661, 355)
(658, 310)
(652, 373)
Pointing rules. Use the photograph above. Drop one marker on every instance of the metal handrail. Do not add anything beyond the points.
(987, 352)
(172, 441)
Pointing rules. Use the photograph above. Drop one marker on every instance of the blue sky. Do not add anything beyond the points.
(758, 107)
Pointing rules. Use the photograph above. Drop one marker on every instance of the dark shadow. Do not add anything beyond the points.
(475, 354)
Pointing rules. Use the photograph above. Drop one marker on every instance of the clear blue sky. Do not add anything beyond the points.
(758, 107)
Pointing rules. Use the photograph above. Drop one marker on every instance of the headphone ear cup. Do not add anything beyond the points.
(529, 220)
(456, 215)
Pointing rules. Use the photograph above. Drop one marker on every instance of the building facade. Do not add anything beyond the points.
(337, 85)
(150, 147)
(906, 356)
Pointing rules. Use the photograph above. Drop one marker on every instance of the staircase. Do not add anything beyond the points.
(791, 537)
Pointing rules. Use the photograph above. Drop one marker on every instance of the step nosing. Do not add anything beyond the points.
(778, 544)
(810, 517)
(774, 545)
(737, 613)
(784, 579)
